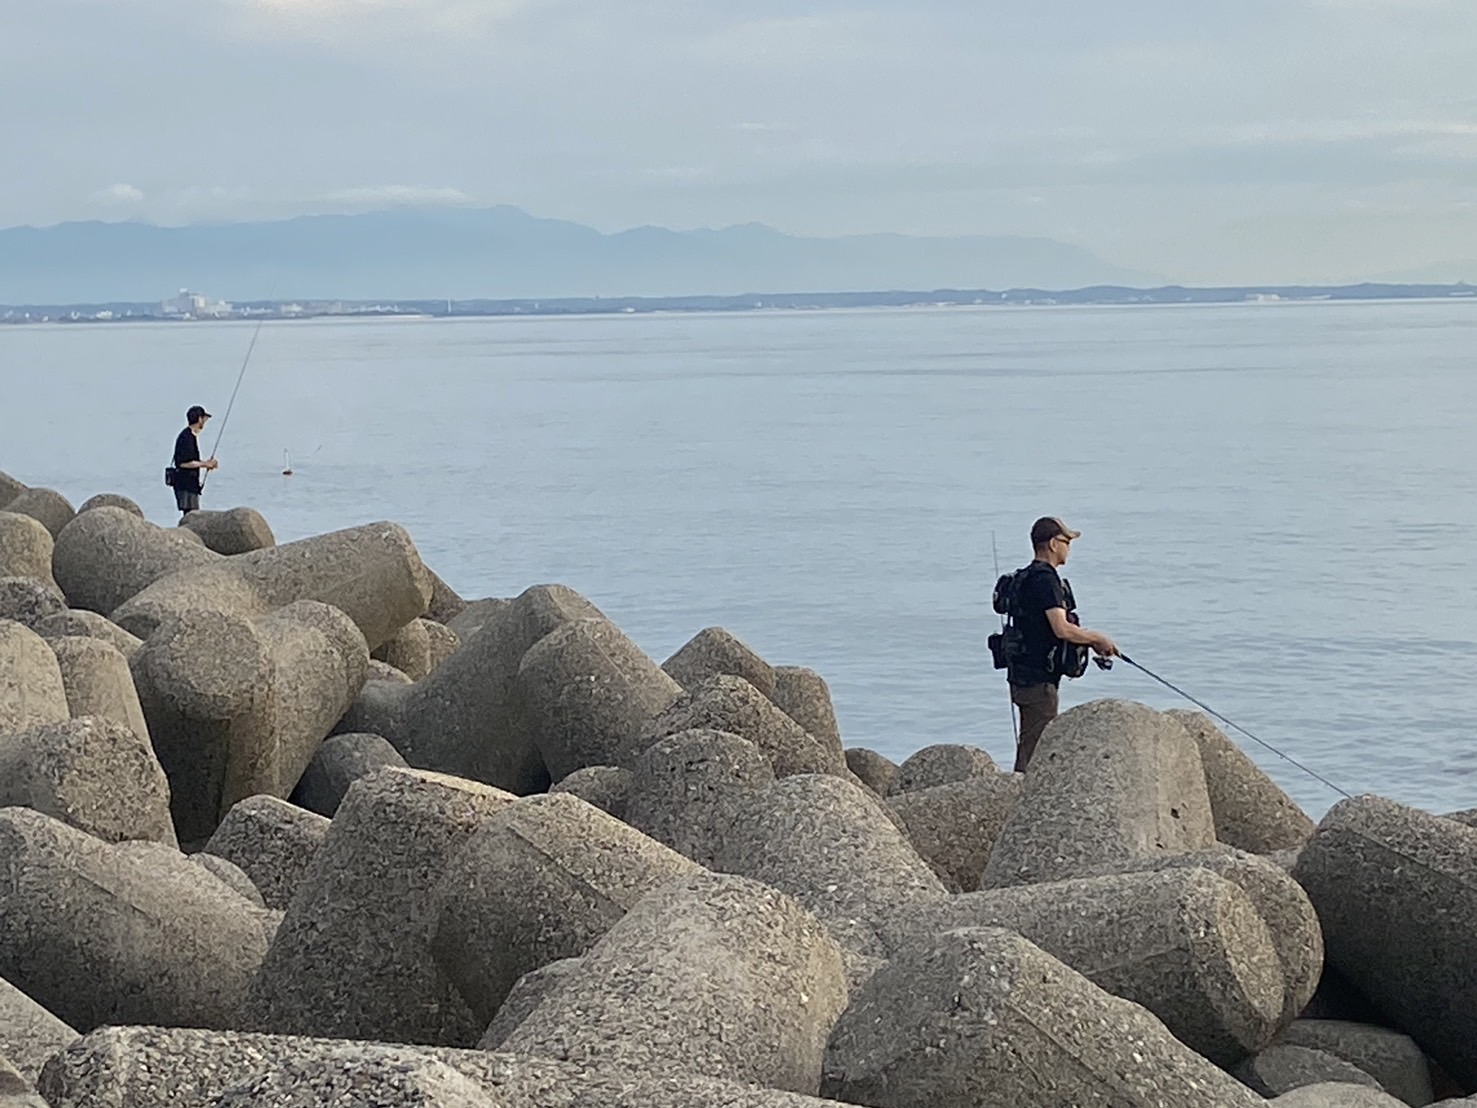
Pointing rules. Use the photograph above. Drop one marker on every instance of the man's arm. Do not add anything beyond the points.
(1081, 636)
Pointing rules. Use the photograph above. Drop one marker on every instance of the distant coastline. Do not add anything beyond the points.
(157, 312)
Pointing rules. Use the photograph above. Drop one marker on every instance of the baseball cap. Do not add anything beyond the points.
(195, 412)
(1049, 527)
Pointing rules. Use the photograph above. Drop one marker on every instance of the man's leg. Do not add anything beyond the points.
(1038, 705)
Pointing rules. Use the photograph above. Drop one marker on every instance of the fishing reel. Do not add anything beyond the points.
(1101, 662)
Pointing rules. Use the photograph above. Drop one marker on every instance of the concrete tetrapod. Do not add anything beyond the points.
(50, 507)
(1396, 891)
(1280, 1069)
(803, 695)
(378, 1079)
(155, 1067)
(823, 841)
(543, 879)
(1187, 945)
(234, 531)
(98, 682)
(1251, 811)
(606, 787)
(98, 935)
(25, 548)
(408, 650)
(523, 998)
(107, 555)
(29, 601)
(10, 488)
(954, 826)
(942, 764)
(713, 651)
(92, 773)
(468, 717)
(372, 574)
(590, 694)
(981, 1018)
(684, 787)
(353, 955)
(872, 769)
(111, 500)
(1336, 1094)
(31, 689)
(337, 764)
(237, 707)
(29, 1034)
(272, 842)
(80, 623)
(1111, 782)
(747, 984)
(1392, 1059)
(731, 704)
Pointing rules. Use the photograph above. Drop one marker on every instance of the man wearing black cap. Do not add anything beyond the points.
(187, 462)
(1040, 611)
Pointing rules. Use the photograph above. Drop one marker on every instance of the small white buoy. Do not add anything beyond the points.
(286, 464)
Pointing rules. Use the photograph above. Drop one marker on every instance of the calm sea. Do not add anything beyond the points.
(1278, 501)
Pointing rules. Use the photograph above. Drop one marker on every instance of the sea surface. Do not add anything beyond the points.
(1278, 501)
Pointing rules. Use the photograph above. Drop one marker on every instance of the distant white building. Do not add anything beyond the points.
(194, 305)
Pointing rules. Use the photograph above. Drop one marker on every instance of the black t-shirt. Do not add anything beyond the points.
(186, 449)
(1037, 592)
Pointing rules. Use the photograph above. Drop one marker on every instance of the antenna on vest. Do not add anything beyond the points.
(1014, 730)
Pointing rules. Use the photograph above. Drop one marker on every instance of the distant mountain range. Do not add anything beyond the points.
(505, 252)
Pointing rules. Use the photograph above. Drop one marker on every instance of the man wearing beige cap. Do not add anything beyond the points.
(1044, 636)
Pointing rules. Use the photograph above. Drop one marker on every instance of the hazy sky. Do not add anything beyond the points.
(1253, 141)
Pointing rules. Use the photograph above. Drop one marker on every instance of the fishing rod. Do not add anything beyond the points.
(1014, 731)
(1105, 663)
(246, 361)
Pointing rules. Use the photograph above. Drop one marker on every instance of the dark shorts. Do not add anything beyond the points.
(187, 501)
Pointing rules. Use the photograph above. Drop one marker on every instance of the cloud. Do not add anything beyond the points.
(119, 195)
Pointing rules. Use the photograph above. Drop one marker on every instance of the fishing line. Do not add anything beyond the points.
(246, 361)
(1201, 704)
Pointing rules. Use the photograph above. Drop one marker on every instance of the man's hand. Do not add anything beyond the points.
(211, 463)
(1105, 646)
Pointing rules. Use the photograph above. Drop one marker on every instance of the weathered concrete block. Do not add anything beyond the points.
(1112, 781)
(441, 640)
(98, 682)
(543, 879)
(353, 956)
(408, 650)
(155, 1067)
(80, 623)
(1251, 812)
(981, 1016)
(97, 935)
(272, 842)
(383, 671)
(29, 601)
(31, 689)
(25, 548)
(1280, 1069)
(29, 1034)
(803, 695)
(530, 991)
(111, 500)
(51, 508)
(1396, 891)
(234, 531)
(823, 841)
(954, 826)
(942, 764)
(1392, 1059)
(606, 787)
(237, 708)
(231, 875)
(10, 488)
(478, 613)
(713, 651)
(1336, 1094)
(15, 1090)
(874, 771)
(1187, 945)
(337, 764)
(381, 1081)
(95, 774)
(445, 605)
(167, 861)
(591, 694)
(749, 985)
(684, 787)
(731, 704)
(372, 574)
(107, 555)
(469, 717)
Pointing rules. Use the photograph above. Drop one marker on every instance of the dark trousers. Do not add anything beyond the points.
(1038, 705)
